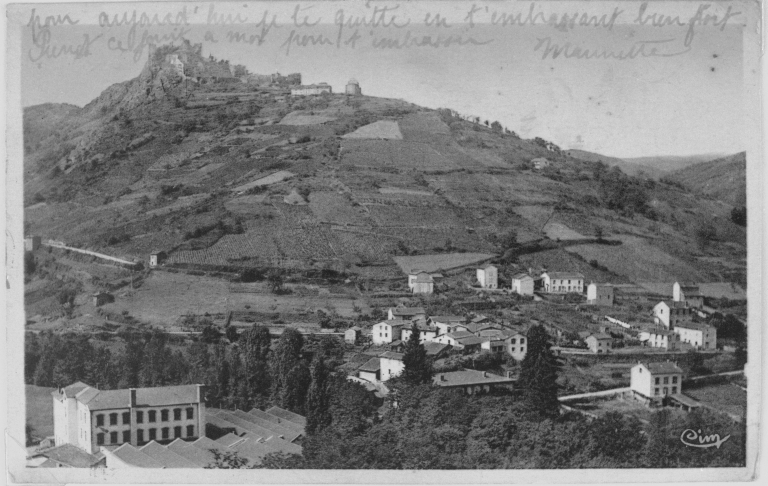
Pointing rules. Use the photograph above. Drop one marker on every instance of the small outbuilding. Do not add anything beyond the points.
(157, 257)
(32, 243)
(101, 298)
(352, 334)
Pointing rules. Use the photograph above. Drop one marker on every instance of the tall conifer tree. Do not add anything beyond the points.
(538, 374)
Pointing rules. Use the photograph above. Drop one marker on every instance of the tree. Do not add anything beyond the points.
(210, 334)
(30, 263)
(657, 452)
(276, 280)
(228, 460)
(232, 334)
(538, 374)
(418, 369)
(318, 400)
(293, 395)
(285, 357)
(496, 126)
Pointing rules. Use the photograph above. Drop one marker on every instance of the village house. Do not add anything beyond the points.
(661, 338)
(688, 293)
(652, 381)
(445, 324)
(600, 294)
(452, 338)
(101, 298)
(522, 284)
(426, 332)
(700, 336)
(477, 328)
(157, 257)
(540, 163)
(391, 365)
(436, 350)
(671, 313)
(387, 331)
(421, 283)
(66, 455)
(352, 334)
(517, 346)
(493, 344)
(472, 382)
(90, 418)
(599, 343)
(563, 282)
(406, 313)
(470, 344)
(32, 243)
(311, 90)
(488, 277)
(370, 371)
(353, 88)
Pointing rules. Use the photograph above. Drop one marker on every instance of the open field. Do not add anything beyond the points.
(434, 263)
(559, 231)
(164, 297)
(383, 129)
(725, 397)
(40, 410)
(298, 118)
(627, 406)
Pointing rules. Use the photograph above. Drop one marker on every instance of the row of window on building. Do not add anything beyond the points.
(165, 434)
(151, 416)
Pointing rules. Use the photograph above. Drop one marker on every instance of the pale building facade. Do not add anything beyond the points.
(688, 293)
(563, 282)
(353, 88)
(90, 418)
(599, 343)
(387, 331)
(670, 313)
(522, 284)
(391, 365)
(700, 336)
(421, 283)
(311, 90)
(656, 380)
(488, 276)
(600, 294)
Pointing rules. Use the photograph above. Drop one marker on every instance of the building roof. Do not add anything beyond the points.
(72, 390)
(70, 455)
(354, 328)
(471, 340)
(423, 278)
(520, 276)
(371, 366)
(480, 326)
(135, 457)
(448, 319)
(166, 457)
(468, 378)
(422, 326)
(673, 304)
(600, 336)
(434, 348)
(487, 266)
(584, 334)
(156, 396)
(352, 81)
(685, 400)
(392, 355)
(562, 275)
(396, 322)
(696, 326)
(407, 311)
(663, 367)
(286, 415)
(198, 455)
(459, 334)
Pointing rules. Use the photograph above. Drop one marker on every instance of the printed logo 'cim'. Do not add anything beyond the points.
(693, 438)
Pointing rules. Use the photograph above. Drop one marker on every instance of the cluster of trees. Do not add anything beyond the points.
(739, 215)
(622, 193)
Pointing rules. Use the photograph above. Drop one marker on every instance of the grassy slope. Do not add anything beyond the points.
(724, 179)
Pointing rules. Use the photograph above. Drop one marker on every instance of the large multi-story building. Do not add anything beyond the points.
(90, 418)
(563, 282)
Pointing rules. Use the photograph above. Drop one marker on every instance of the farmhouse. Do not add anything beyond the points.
(90, 418)
(522, 284)
(664, 339)
(421, 283)
(426, 332)
(452, 338)
(470, 344)
(599, 343)
(493, 344)
(312, 89)
(387, 331)
(653, 381)
(391, 365)
(101, 298)
(472, 382)
(157, 257)
(406, 313)
(563, 282)
(353, 88)
(516, 346)
(32, 243)
(688, 293)
(488, 277)
(670, 313)
(700, 336)
(540, 163)
(352, 334)
(600, 294)
(436, 350)
(445, 324)
(370, 371)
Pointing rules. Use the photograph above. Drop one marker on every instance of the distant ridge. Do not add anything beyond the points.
(724, 179)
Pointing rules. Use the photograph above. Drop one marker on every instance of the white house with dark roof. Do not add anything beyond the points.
(670, 313)
(90, 418)
(700, 336)
(522, 284)
(563, 282)
(391, 365)
(661, 338)
(406, 313)
(688, 293)
(517, 346)
(600, 294)
(472, 382)
(653, 381)
(445, 324)
(427, 332)
(599, 343)
(370, 370)
(488, 276)
(453, 338)
(421, 283)
(387, 331)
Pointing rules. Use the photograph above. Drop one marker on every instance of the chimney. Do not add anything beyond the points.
(200, 394)
(442, 377)
(485, 374)
(132, 392)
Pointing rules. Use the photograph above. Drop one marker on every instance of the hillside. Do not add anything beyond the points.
(724, 179)
(232, 176)
(669, 163)
(629, 168)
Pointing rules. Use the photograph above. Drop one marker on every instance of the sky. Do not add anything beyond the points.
(686, 104)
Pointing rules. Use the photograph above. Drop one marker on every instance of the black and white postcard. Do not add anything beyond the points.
(290, 241)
